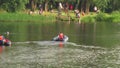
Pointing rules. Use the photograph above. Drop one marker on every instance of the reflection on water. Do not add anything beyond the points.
(50, 54)
(96, 34)
(90, 45)
(1, 49)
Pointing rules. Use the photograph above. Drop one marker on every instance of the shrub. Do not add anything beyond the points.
(88, 19)
(100, 17)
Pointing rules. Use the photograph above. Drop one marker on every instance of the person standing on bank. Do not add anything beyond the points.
(77, 13)
(60, 9)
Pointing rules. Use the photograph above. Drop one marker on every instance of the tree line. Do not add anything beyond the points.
(82, 5)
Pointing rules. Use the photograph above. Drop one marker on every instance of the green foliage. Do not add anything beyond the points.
(107, 5)
(116, 16)
(116, 12)
(88, 19)
(101, 4)
(100, 17)
(13, 5)
(115, 4)
(22, 17)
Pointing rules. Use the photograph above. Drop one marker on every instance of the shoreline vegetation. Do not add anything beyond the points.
(69, 10)
(51, 17)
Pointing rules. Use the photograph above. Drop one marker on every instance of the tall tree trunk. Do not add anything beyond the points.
(77, 4)
(46, 6)
(87, 6)
(82, 5)
(33, 5)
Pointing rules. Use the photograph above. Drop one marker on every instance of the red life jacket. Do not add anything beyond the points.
(61, 36)
(1, 37)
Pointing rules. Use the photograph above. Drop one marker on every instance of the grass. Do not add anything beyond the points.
(102, 17)
(47, 16)
(18, 17)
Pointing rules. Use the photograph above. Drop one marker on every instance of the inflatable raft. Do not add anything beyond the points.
(6, 43)
(65, 39)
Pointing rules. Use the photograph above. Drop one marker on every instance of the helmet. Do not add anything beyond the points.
(61, 35)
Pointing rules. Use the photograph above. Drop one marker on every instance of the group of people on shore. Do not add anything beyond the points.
(61, 7)
(66, 7)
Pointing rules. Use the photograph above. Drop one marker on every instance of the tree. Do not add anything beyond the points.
(114, 5)
(77, 4)
(13, 5)
(102, 4)
(83, 5)
(33, 4)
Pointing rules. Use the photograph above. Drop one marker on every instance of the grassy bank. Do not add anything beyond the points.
(102, 17)
(91, 17)
(22, 17)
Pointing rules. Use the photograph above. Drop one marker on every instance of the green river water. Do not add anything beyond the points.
(90, 45)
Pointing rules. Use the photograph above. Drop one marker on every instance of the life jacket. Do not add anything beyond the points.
(1, 37)
(61, 36)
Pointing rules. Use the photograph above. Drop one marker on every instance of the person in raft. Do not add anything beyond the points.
(4, 41)
(77, 13)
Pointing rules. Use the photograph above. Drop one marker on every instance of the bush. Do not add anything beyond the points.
(13, 5)
(89, 19)
(100, 17)
(116, 12)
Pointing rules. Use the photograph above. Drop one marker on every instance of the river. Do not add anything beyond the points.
(90, 45)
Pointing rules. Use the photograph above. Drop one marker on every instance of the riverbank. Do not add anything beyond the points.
(102, 17)
(23, 17)
(91, 17)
